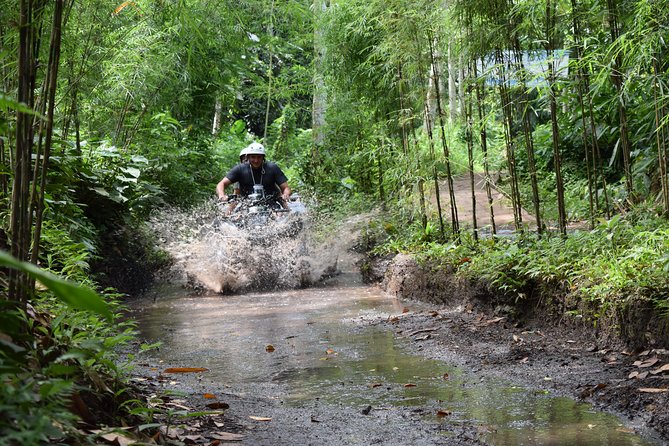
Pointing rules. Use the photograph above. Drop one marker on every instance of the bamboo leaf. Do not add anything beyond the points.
(73, 295)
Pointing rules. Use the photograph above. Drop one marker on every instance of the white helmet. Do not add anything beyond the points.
(242, 154)
(255, 148)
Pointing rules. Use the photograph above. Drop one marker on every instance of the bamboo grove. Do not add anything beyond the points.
(567, 98)
(560, 104)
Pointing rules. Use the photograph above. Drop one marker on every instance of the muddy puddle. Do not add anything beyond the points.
(312, 346)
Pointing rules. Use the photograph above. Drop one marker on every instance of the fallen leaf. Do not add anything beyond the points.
(255, 418)
(209, 396)
(269, 348)
(405, 310)
(119, 439)
(517, 339)
(424, 330)
(664, 368)
(218, 406)
(372, 385)
(653, 390)
(315, 420)
(524, 360)
(625, 430)
(445, 376)
(226, 436)
(409, 385)
(170, 431)
(177, 405)
(185, 370)
(649, 362)
(443, 413)
(218, 424)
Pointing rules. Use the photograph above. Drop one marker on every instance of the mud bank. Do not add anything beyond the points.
(617, 362)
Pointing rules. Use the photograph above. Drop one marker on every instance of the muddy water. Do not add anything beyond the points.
(310, 345)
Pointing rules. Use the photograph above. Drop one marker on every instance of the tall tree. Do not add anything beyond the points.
(552, 98)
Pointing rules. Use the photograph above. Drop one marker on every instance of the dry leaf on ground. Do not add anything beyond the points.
(185, 370)
(255, 418)
(653, 390)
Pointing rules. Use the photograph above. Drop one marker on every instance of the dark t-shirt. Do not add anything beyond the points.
(269, 175)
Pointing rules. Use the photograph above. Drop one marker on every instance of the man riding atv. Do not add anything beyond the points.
(254, 173)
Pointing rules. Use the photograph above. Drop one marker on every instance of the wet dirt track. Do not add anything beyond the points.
(351, 366)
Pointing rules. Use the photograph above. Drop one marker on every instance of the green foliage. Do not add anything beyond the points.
(51, 350)
(183, 163)
(116, 175)
(618, 259)
(68, 352)
(77, 297)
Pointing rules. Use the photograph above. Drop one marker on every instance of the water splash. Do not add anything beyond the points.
(214, 252)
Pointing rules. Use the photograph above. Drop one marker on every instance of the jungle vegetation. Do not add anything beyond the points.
(108, 113)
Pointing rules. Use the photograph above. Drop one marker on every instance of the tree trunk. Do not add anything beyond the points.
(270, 73)
(218, 112)
(524, 104)
(382, 192)
(435, 177)
(319, 100)
(469, 136)
(452, 88)
(421, 182)
(20, 222)
(507, 115)
(557, 157)
(617, 77)
(660, 138)
(52, 86)
(480, 100)
(589, 139)
(455, 225)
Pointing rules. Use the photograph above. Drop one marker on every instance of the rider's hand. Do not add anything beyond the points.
(223, 198)
(286, 197)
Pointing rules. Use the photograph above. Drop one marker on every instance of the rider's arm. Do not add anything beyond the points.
(220, 188)
(285, 191)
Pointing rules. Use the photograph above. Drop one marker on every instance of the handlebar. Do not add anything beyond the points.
(272, 203)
